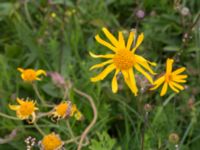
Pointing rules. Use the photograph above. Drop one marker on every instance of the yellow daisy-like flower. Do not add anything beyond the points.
(122, 60)
(51, 142)
(25, 109)
(31, 75)
(65, 109)
(171, 78)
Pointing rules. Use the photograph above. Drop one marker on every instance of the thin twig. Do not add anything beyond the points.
(85, 132)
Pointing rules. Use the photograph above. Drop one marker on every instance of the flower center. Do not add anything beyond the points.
(168, 77)
(51, 142)
(29, 75)
(124, 59)
(61, 109)
(26, 109)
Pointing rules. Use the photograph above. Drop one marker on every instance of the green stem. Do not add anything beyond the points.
(38, 94)
(9, 117)
(39, 129)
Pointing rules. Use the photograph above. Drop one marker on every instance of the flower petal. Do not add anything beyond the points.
(130, 40)
(108, 45)
(181, 77)
(121, 40)
(139, 41)
(158, 82)
(20, 69)
(177, 85)
(145, 63)
(101, 64)
(173, 88)
(104, 73)
(101, 56)
(114, 82)
(14, 107)
(143, 72)
(164, 89)
(178, 71)
(20, 101)
(40, 71)
(109, 35)
(130, 82)
(169, 65)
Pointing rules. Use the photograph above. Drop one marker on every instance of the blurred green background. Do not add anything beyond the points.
(56, 35)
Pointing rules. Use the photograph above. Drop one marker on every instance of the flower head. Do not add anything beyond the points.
(171, 79)
(51, 142)
(122, 60)
(25, 109)
(66, 109)
(31, 75)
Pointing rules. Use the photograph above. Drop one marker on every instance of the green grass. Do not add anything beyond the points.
(31, 38)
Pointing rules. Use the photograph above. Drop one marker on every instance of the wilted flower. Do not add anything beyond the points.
(123, 60)
(25, 109)
(51, 142)
(171, 78)
(31, 75)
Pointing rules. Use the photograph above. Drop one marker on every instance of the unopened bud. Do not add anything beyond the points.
(174, 138)
(147, 107)
(140, 14)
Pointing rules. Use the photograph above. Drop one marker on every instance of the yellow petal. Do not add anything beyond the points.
(177, 85)
(101, 41)
(39, 79)
(130, 40)
(14, 107)
(101, 64)
(139, 41)
(104, 73)
(144, 63)
(132, 82)
(181, 77)
(121, 40)
(112, 39)
(173, 88)
(179, 80)
(21, 102)
(143, 72)
(158, 82)
(114, 82)
(178, 71)
(164, 89)
(40, 71)
(33, 118)
(101, 56)
(169, 65)
(20, 69)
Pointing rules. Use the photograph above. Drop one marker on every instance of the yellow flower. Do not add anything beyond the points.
(122, 60)
(171, 78)
(25, 109)
(30, 75)
(66, 109)
(51, 142)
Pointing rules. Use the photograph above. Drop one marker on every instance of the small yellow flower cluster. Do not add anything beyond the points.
(51, 142)
(67, 109)
(125, 60)
(25, 109)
